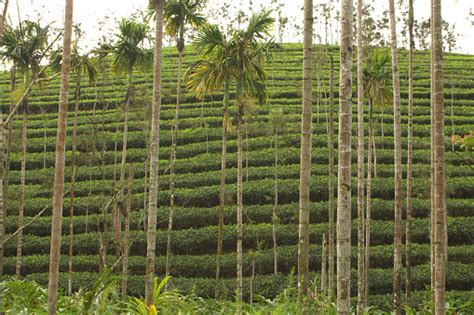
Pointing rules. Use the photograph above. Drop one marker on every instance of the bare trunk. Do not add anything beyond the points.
(305, 155)
(154, 155)
(240, 112)
(174, 137)
(60, 163)
(73, 181)
(331, 208)
(409, 154)
(397, 256)
(324, 265)
(275, 206)
(360, 167)
(439, 202)
(344, 159)
(126, 236)
(369, 202)
(222, 192)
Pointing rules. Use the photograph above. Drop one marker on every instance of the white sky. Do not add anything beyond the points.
(90, 13)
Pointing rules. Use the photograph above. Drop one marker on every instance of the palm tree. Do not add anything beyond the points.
(25, 47)
(127, 53)
(305, 157)
(81, 64)
(2, 165)
(240, 59)
(205, 76)
(360, 166)
(179, 14)
(439, 187)
(154, 153)
(377, 79)
(397, 257)
(411, 44)
(60, 162)
(344, 160)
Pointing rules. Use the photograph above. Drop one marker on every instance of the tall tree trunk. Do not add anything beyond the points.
(222, 192)
(240, 113)
(154, 155)
(368, 214)
(397, 257)
(324, 264)
(60, 162)
(126, 236)
(21, 208)
(331, 180)
(305, 155)
(410, 153)
(174, 138)
(439, 206)
(73, 180)
(344, 171)
(6, 170)
(360, 166)
(275, 206)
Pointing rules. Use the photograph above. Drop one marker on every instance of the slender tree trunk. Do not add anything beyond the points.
(360, 167)
(275, 206)
(324, 264)
(60, 163)
(368, 213)
(154, 155)
(397, 258)
(174, 137)
(305, 155)
(21, 208)
(222, 192)
(432, 180)
(240, 113)
(73, 180)
(410, 153)
(344, 159)
(126, 237)
(331, 180)
(439, 206)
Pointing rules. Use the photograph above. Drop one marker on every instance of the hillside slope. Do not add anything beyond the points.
(194, 238)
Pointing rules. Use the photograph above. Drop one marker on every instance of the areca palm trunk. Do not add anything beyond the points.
(368, 214)
(21, 208)
(397, 258)
(410, 153)
(360, 167)
(126, 237)
(73, 179)
(305, 155)
(154, 154)
(439, 202)
(2, 164)
(275, 205)
(240, 113)
(344, 159)
(174, 137)
(222, 192)
(331, 208)
(54, 254)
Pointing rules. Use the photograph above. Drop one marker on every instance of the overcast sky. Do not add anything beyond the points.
(90, 13)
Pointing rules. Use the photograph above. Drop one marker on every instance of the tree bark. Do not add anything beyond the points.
(368, 213)
(324, 264)
(60, 162)
(222, 192)
(360, 167)
(275, 206)
(154, 155)
(73, 180)
(331, 208)
(344, 159)
(439, 205)
(126, 237)
(240, 113)
(305, 155)
(410, 153)
(174, 137)
(397, 256)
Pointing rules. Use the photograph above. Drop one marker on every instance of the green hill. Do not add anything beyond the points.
(194, 238)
